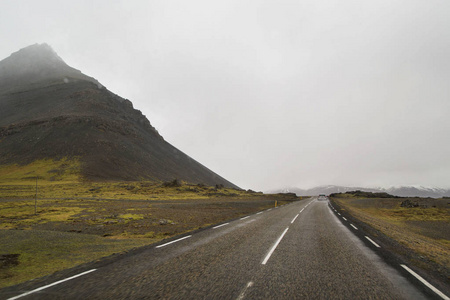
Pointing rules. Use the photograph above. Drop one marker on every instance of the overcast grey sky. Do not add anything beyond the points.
(269, 94)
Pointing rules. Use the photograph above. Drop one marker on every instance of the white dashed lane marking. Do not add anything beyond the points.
(242, 294)
(163, 245)
(52, 284)
(218, 226)
(370, 240)
(274, 247)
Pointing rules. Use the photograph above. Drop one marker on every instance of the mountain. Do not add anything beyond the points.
(51, 110)
(34, 65)
(402, 191)
(418, 191)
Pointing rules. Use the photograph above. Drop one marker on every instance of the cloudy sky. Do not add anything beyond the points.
(269, 94)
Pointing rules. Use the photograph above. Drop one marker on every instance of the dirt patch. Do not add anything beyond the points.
(8, 260)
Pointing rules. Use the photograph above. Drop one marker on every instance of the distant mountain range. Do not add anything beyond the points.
(49, 110)
(402, 191)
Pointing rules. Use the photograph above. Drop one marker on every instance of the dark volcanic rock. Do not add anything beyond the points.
(50, 110)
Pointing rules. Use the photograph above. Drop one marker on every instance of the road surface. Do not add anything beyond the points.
(297, 251)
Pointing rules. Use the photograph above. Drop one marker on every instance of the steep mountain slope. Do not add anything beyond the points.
(50, 110)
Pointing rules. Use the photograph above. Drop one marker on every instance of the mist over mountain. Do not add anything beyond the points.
(401, 191)
(51, 110)
(36, 64)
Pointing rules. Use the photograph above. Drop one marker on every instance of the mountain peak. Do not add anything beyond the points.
(38, 53)
(36, 63)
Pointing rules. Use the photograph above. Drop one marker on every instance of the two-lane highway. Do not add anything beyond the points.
(298, 251)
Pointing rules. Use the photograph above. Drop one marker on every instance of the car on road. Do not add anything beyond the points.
(322, 197)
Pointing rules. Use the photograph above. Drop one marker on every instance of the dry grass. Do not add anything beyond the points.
(62, 179)
(78, 221)
(65, 233)
(44, 252)
(140, 190)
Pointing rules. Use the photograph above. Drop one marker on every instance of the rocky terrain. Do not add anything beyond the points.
(51, 110)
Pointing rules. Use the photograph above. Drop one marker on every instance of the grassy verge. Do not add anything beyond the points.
(423, 229)
(39, 252)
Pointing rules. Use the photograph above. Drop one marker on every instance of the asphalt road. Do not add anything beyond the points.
(298, 251)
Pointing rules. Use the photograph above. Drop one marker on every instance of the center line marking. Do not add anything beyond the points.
(242, 294)
(274, 247)
(302, 209)
(370, 240)
(294, 218)
(220, 225)
(52, 284)
(163, 245)
(353, 226)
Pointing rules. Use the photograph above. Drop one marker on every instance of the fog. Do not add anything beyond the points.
(269, 94)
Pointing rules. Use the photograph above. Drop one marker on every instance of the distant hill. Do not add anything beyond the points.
(401, 191)
(51, 110)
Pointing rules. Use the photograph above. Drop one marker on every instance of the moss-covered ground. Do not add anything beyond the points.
(70, 221)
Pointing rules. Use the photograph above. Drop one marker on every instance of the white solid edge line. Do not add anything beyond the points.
(442, 295)
(173, 241)
(220, 225)
(353, 226)
(245, 217)
(259, 213)
(52, 284)
(274, 247)
(370, 240)
(293, 220)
